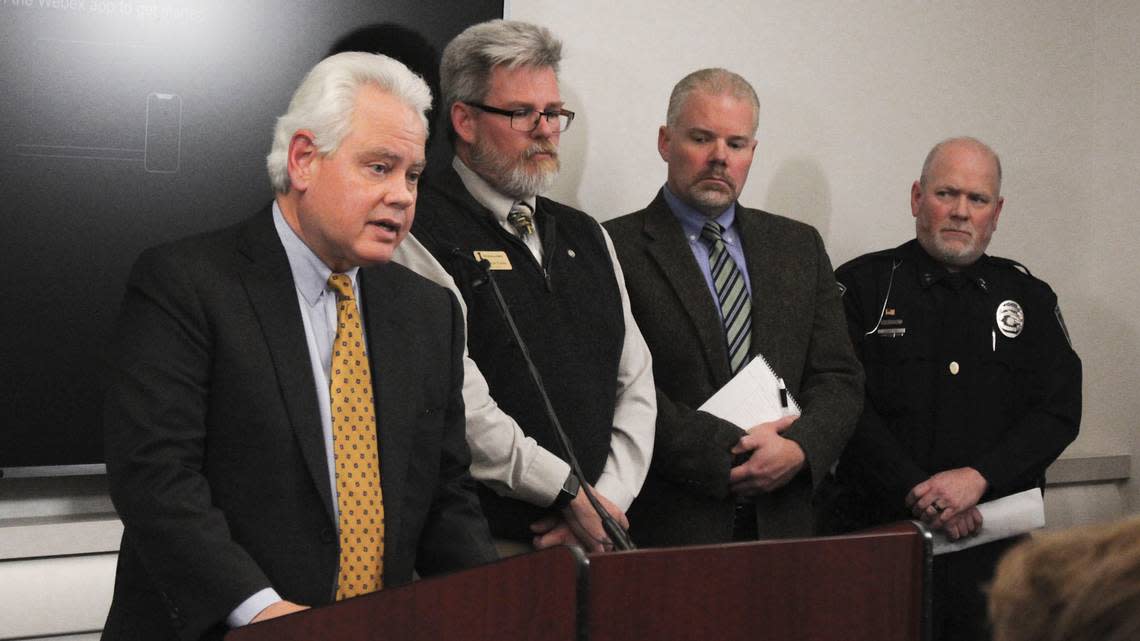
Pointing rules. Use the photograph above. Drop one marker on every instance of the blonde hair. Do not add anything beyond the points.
(1075, 585)
(715, 82)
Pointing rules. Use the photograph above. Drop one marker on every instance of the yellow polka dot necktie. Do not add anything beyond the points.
(355, 451)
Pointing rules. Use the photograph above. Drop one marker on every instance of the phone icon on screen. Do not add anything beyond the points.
(163, 132)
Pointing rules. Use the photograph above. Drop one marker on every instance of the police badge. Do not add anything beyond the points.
(1010, 319)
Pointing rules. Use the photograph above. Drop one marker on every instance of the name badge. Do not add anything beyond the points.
(497, 259)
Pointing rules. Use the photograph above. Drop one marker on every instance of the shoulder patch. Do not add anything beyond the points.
(843, 289)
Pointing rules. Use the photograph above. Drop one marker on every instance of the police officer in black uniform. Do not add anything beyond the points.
(972, 385)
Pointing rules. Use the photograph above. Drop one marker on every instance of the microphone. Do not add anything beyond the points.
(614, 530)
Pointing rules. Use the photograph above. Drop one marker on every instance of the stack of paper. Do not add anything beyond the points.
(753, 396)
(1001, 518)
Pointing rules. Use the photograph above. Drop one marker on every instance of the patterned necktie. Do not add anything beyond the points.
(735, 304)
(521, 219)
(356, 452)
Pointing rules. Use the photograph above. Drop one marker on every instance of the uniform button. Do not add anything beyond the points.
(954, 368)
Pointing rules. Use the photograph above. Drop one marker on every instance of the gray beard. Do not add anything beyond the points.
(953, 259)
(510, 178)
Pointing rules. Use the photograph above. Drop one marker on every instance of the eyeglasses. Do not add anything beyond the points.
(526, 119)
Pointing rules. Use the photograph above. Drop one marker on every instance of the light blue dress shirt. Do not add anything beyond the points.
(317, 303)
(692, 222)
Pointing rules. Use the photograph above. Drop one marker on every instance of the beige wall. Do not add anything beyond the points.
(854, 94)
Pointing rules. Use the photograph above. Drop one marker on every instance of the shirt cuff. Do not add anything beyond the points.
(543, 479)
(250, 608)
(610, 486)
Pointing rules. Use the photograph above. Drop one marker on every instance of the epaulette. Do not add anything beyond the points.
(1021, 271)
(864, 258)
(1012, 264)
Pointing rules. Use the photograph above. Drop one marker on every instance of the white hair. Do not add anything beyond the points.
(324, 102)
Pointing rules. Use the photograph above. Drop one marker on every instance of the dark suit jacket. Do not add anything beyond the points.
(797, 323)
(215, 454)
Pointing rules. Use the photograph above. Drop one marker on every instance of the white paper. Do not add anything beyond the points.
(751, 397)
(1002, 518)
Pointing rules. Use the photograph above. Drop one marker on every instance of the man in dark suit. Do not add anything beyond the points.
(766, 290)
(241, 430)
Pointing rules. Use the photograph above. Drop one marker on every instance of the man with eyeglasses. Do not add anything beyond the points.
(561, 281)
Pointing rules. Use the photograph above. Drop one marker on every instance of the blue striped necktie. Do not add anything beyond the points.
(735, 304)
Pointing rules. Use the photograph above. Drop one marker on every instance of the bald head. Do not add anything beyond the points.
(957, 201)
(961, 142)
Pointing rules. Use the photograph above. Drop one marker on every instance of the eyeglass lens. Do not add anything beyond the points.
(529, 121)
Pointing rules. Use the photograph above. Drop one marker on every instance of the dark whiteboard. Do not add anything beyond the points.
(123, 124)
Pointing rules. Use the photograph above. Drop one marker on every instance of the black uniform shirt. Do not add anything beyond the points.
(966, 369)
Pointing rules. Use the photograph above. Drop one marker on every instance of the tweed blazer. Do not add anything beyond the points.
(797, 324)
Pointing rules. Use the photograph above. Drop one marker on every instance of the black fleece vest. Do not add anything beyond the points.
(568, 311)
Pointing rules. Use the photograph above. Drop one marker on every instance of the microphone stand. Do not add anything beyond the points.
(616, 532)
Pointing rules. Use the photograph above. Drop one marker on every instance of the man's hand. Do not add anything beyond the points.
(946, 495)
(773, 462)
(578, 524)
(278, 609)
(964, 524)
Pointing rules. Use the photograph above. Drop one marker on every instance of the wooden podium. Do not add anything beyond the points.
(870, 586)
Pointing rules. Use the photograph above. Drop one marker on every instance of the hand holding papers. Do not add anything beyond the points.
(1002, 518)
(753, 396)
(757, 397)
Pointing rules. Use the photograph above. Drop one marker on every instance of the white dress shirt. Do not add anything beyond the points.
(503, 456)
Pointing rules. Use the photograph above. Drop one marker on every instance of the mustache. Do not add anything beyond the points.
(719, 175)
(541, 147)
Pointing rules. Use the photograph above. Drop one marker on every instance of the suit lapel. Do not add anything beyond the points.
(393, 370)
(269, 284)
(669, 248)
(761, 253)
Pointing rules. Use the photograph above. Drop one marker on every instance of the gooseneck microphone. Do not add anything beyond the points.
(616, 532)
